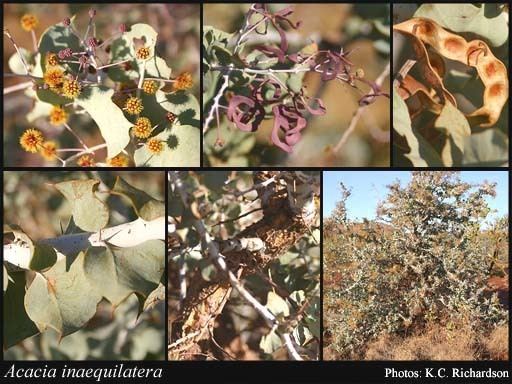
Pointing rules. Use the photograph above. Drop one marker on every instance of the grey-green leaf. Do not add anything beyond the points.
(112, 123)
(63, 301)
(277, 305)
(17, 326)
(468, 18)
(271, 342)
(56, 38)
(16, 65)
(181, 149)
(118, 272)
(488, 148)
(145, 206)
(89, 212)
(421, 153)
(455, 126)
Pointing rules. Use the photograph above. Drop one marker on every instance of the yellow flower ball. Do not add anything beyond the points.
(150, 87)
(71, 89)
(86, 161)
(171, 117)
(142, 128)
(48, 149)
(31, 140)
(142, 53)
(133, 106)
(52, 60)
(183, 82)
(119, 161)
(29, 22)
(58, 116)
(155, 146)
(53, 77)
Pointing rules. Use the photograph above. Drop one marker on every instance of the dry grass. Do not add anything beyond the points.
(439, 343)
(497, 343)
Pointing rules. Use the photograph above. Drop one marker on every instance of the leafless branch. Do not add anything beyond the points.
(359, 113)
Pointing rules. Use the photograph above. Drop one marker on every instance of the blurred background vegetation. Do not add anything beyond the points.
(32, 202)
(363, 28)
(178, 44)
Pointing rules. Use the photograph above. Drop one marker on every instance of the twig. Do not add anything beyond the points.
(6, 32)
(124, 235)
(34, 40)
(182, 279)
(289, 345)
(255, 187)
(76, 136)
(214, 110)
(17, 87)
(141, 77)
(216, 103)
(114, 64)
(358, 114)
(21, 75)
(237, 218)
(90, 150)
(244, 31)
(257, 71)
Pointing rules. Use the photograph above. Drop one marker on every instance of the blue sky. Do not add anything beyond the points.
(369, 187)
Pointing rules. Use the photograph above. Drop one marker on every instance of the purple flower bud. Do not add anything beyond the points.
(92, 42)
(122, 28)
(83, 60)
(65, 53)
(92, 13)
(67, 21)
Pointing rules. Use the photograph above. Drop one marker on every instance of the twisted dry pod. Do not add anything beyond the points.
(475, 53)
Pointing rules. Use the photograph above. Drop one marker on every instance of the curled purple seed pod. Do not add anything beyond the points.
(65, 53)
(92, 42)
(67, 21)
(92, 13)
(122, 27)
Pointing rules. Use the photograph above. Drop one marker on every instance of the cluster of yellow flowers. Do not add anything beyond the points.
(29, 22)
(155, 145)
(142, 128)
(150, 87)
(58, 116)
(183, 82)
(55, 79)
(133, 106)
(142, 53)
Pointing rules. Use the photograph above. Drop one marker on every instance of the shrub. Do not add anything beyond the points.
(422, 261)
